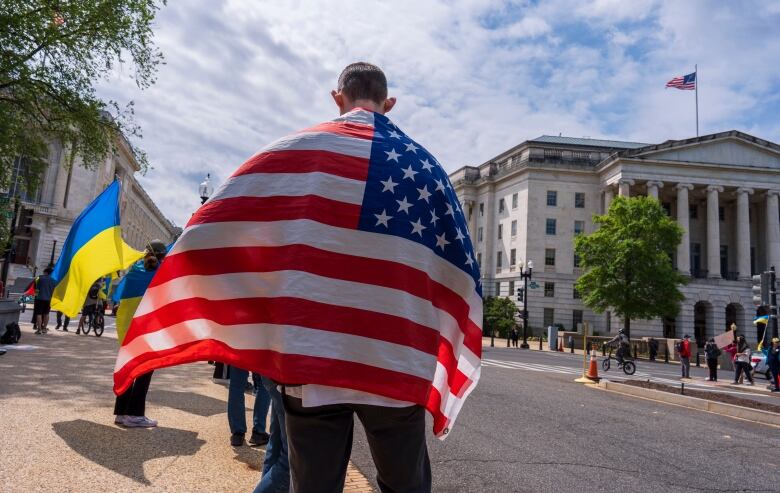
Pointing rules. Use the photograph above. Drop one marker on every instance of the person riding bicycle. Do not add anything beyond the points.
(623, 344)
(90, 305)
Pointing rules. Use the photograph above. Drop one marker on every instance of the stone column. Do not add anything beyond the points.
(652, 188)
(684, 248)
(624, 187)
(713, 232)
(608, 196)
(772, 230)
(743, 232)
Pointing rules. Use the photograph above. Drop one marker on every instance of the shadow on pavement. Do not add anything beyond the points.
(252, 457)
(190, 402)
(125, 450)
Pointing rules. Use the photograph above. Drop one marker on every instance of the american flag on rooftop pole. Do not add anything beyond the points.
(337, 256)
(688, 83)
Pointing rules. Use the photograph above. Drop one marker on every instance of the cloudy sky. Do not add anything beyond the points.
(472, 78)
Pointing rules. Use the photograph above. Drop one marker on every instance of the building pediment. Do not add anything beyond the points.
(728, 149)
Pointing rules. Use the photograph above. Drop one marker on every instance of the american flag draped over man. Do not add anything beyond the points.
(336, 256)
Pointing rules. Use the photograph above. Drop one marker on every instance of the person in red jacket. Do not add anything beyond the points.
(685, 356)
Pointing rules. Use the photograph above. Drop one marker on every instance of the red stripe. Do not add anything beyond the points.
(291, 311)
(306, 162)
(327, 264)
(433, 405)
(347, 129)
(281, 208)
(456, 379)
(283, 368)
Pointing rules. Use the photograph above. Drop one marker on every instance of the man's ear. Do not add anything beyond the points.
(338, 98)
(388, 105)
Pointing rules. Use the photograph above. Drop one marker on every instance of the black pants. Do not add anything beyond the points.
(59, 320)
(320, 443)
(739, 367)
(653, 354)
(712, 364)
(775, 371)
(133, 401)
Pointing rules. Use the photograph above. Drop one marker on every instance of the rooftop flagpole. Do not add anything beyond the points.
(696, 85)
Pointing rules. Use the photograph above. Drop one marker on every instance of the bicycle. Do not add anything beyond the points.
(95, 321)
(628, 366)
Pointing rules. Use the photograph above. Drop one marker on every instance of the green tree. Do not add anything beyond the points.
(499, 315)
(627, 261)
(52, 52)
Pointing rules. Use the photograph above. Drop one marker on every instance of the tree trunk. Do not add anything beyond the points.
(627, 322)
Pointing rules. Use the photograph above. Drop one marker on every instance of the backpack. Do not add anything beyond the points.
(93, 291)
(678, 346)
(12, 334)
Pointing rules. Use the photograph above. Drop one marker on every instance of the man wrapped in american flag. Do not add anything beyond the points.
(346, 274)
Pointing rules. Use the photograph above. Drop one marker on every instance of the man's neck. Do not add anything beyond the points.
(365, 104)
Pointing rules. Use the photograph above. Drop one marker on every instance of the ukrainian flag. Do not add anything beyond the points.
(128, 294)
(93, 249)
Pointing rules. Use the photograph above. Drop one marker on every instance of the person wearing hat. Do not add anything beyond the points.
(130, 406)
(685, 356)
(772, 354)
(711, 354)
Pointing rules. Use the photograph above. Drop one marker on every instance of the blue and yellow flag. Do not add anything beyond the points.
(128, 294)
(93, 249)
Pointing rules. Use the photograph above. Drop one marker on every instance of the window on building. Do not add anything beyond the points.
(693, 211)
(576, 261)
(579, 227)
(479, 261)
(514, 201)
(481, 209)
(512, 256)
(549, 317)
(721, 214)
(668, 208)
(512, 288)
(500, 231)
(552, 198)
(499, 260)
(549, 290)
(579, 200)
(549, 256)
(575, 294)
(479, 234)
(514, 228)
(576, 319)
(550, 226)
(501, 205)
(498, 288)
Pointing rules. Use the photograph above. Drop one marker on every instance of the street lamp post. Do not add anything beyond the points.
(526, 272)
(205, 189)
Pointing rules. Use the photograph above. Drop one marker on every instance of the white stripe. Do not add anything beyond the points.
(322, 141)
(299, 284)
(357, 116)
(450, 403)
(293, 185)
(338, 240)
(287, 339)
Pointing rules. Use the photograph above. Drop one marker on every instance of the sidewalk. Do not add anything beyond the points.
(58, 432)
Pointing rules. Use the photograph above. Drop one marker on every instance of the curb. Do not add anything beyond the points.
(756, 415)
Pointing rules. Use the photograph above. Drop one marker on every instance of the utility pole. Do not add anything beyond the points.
(773, 302)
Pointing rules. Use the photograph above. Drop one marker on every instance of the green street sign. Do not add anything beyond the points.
(533, 285)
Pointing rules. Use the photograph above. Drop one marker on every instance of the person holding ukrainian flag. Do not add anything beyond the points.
(130, 406)
(93, 249)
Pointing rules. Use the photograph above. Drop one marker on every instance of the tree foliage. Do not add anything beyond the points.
(52, 52)
(627, 261)
(499, 315)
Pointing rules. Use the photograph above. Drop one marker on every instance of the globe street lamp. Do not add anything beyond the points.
(526, 272)
(205, 189)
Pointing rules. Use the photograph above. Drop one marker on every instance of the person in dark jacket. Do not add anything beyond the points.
(773, 360)
(652, 346)
(741, 353)
(711, 353)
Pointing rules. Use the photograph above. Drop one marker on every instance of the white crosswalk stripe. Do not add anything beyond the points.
(516, 365)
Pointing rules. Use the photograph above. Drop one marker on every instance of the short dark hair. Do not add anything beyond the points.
(48, 270)
(363, 80)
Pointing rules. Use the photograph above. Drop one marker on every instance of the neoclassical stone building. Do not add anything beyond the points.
(65, 192)
(529, 202)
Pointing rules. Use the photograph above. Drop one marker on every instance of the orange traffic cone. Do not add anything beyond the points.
(593, 369)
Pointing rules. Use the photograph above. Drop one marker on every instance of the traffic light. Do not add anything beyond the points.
(520, 293)
(26, 221)
(761, 288)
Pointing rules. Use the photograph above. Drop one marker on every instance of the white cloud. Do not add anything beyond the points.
(472, 79)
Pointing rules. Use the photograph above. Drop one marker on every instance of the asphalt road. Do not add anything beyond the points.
(539, 431)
